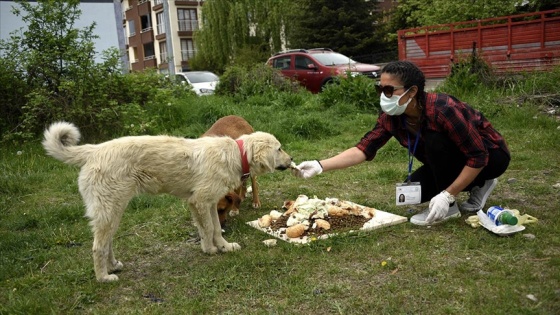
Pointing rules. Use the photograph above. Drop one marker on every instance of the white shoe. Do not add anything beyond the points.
(478, 196)
(420, 218)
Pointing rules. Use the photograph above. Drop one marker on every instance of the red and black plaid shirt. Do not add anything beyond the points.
(465, 126)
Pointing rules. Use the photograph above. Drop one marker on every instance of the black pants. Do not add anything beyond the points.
(444, 162)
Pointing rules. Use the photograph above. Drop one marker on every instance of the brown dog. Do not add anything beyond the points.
(233, 127)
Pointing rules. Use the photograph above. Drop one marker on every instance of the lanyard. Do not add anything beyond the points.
(411, 154)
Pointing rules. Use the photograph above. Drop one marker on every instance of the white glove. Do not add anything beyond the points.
(308, 169)
(439, 206)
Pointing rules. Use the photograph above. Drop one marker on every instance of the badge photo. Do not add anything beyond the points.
(408, 193)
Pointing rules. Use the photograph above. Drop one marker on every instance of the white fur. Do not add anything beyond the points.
(199, 171)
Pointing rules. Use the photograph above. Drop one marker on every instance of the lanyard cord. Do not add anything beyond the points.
(411, 154)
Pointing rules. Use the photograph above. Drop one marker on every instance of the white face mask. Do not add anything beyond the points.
(390, 105)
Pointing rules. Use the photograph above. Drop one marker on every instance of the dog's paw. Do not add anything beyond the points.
(233, 213)
(210, 250)
(230, 247)
(118, 266)
(108, 278)
(256, 205)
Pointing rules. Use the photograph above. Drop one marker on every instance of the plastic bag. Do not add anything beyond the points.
(481, 219)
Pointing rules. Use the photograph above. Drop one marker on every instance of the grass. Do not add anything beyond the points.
(45, 242)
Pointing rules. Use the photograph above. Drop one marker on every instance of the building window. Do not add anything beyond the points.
(160, 20)
(163, 52)
(187, 49)
(187, 19)
(146, 23)
(149, 52)
(134, 54)
(131, 28)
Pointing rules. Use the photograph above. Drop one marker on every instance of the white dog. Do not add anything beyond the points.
(199, 171)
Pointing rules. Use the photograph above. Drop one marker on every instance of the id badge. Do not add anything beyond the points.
(408, 193)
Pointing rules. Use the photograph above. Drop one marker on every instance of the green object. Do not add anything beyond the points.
(506, 217)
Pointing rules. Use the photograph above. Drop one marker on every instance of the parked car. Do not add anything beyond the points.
(315, 68)
(202, 82)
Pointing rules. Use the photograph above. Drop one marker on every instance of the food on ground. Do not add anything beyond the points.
(312, 215)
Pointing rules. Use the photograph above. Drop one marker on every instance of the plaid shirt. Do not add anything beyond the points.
(465, 126)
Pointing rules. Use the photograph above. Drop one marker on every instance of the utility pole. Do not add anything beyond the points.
(168, 43)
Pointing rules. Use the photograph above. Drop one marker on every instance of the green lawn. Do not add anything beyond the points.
(45, 243)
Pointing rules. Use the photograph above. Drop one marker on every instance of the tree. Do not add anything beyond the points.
(48, 73)
(423, 13)
(232, 28)
(51, 48)
(347, 26)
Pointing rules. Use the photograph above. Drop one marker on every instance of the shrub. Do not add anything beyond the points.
(469, 75)
(243, 82)
(13, 90)
(356, 90)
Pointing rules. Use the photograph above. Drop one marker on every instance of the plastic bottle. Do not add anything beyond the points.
(501, 216)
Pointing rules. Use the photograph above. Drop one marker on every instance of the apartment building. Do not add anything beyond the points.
(159, 33)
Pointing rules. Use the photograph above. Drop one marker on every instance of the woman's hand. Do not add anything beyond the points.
(439, 206)
(308, 169)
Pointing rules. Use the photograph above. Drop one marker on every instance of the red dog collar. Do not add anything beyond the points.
(244, 161)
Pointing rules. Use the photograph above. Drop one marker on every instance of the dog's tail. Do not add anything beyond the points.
(60, 142)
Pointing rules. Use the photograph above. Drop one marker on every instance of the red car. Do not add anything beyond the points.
(314, 68)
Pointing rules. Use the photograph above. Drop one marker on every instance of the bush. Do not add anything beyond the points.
(13, 90)
(243, 82)
(356, 90)
(469, 75)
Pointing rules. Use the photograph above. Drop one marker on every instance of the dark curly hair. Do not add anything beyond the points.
(409, 75)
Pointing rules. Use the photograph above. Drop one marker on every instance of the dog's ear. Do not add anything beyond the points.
(260, 152)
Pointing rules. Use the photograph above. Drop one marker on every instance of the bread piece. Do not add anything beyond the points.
(322, 224)
(275, 215)
(368, 212)
(265, 221)
(296, 230)
(335, 211)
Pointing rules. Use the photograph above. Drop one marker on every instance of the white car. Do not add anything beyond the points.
(202, 82)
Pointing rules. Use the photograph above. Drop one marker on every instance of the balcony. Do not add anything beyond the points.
(160, 29)
(188, 25)
(187, 54)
